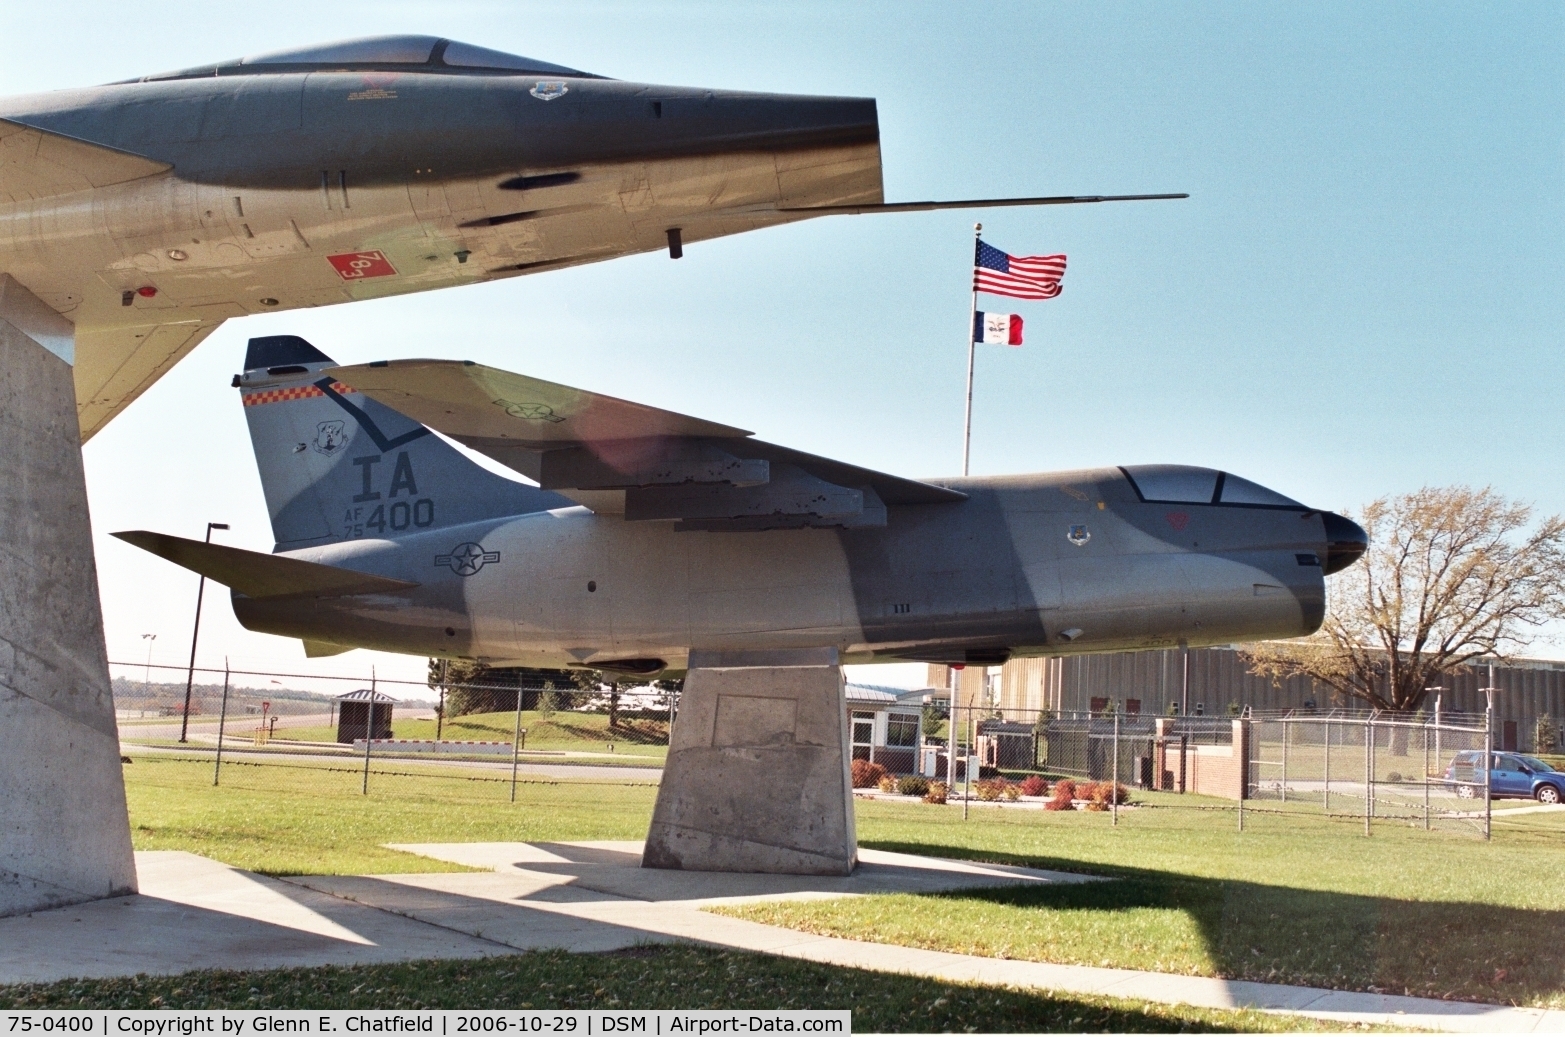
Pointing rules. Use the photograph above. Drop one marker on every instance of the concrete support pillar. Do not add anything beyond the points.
(757, 775)
(64, 832)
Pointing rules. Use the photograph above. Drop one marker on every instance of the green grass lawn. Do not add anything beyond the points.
(1294, 899)
(579, 732)
(674, 977)
(283, 819)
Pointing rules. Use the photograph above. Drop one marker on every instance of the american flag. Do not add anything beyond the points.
(1020, 277)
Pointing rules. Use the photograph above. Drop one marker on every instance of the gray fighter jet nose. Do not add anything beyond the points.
(1346, 542)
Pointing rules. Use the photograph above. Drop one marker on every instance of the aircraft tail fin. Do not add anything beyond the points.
(336, 465)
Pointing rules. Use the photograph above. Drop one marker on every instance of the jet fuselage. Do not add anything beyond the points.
(1042, 564)
(300, 184)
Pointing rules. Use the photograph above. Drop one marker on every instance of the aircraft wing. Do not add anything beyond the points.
(258, 575)
(116, 365)
(618, 457)
(971, 203)
(39, 163)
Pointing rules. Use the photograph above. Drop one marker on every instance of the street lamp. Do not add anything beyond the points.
(146, 675)
(190, 675)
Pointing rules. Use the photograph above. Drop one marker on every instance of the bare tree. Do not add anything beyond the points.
(1452, 574)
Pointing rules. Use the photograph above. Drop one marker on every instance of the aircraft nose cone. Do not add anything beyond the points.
(1346, 542)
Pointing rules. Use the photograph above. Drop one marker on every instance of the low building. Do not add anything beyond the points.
(885, 726)
(1529, 701)
(358, 709)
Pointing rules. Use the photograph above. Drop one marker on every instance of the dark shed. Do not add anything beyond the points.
(354, 714)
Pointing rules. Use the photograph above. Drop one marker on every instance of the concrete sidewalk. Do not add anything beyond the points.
(195, 913)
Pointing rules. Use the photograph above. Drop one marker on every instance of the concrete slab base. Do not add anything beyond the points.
(64, 832)
(757, 774)
(195, 913)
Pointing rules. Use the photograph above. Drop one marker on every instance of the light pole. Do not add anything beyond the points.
(190, 675)
(146, 675)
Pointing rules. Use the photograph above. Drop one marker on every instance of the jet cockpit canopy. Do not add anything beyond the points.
(381, 53)
(1185, 484)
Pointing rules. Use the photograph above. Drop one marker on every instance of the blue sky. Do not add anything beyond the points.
(1362, 295)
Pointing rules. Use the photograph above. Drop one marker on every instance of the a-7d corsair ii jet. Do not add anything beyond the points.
(650, 534)
(150, 211)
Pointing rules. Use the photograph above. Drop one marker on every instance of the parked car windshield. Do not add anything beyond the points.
(1537, 765)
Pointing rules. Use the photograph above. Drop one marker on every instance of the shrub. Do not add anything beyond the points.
(913, 785)
(888, 784)
(1394, 776)
(1011, 793)
(1064, 793)
(1103, 794)
(866, 775)
(936, 793)
(1034, 785)
(991, 789)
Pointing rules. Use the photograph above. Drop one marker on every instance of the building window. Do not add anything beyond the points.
(901, 729)
(1133, 707)
(1099, 706)
(863, 728)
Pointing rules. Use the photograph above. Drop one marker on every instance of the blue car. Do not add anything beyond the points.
(1511, 776)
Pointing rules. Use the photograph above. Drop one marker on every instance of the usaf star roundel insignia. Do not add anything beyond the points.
(466, 559)
(530, 411)
(1079, 535)
(549, 89)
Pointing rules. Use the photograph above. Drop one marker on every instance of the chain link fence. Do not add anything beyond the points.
(1422, 770)
(505, 733)
(338, 734)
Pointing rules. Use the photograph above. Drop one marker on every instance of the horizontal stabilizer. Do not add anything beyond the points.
(321, 649)
(618, 457)
(39, 164)
(258, 575)
(972, 203)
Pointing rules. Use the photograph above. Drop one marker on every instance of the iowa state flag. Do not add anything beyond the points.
(1000, 329)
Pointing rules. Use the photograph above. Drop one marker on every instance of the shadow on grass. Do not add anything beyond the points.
(645, 977)
(1284, 934)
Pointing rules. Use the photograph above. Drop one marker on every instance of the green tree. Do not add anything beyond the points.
(476, 687)
(1452, 575)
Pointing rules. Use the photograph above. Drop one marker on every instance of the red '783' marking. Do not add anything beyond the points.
(355, 266)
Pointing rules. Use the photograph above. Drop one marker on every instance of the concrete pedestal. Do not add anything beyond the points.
(64, 832)
(757, 776)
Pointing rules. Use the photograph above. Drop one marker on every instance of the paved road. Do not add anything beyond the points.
(562, 771)
(162, 731)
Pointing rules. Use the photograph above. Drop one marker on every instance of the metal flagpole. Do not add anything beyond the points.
(972, 318)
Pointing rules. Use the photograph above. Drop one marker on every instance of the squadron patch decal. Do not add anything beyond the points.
(1079, 535)
(330, 437)
(549, 89)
